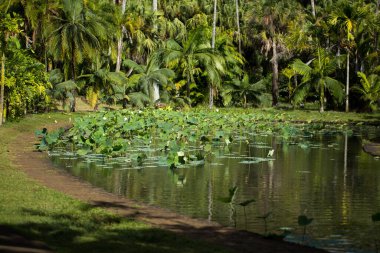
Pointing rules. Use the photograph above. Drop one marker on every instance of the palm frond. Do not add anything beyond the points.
(300, 93)
(135, 66)
(335, 88)
(301, 68)
(66, 86)
(139, 99)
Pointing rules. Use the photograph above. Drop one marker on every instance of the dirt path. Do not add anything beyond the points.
(38, 167)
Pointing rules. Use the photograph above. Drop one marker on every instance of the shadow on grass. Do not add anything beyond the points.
(95, 230)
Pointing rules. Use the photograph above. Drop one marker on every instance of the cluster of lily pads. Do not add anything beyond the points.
(182, 137)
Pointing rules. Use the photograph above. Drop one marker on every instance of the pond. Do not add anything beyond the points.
(324, 176)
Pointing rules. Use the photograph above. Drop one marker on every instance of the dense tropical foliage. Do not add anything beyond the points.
(183, 53)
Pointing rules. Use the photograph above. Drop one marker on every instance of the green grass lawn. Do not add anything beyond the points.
(66, 224)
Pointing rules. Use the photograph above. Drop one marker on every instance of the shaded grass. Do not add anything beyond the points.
(66, 224)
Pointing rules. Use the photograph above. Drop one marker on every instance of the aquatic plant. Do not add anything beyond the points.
(230, 201)
(264, 218)
(304, 221)
(181, 137)
(244, 204)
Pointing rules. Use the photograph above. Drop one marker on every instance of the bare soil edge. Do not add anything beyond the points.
(37, 166)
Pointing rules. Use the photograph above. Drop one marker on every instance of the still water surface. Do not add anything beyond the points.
(327, 177)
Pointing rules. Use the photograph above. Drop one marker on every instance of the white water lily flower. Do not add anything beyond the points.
(180, 153)
(270, 153)
(104, 118)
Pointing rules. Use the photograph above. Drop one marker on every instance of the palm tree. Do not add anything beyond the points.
(101, 81)
(347, 17)
(147, 76)
(62, 90)
(272, 19)
(194, 56)
(242, 89)
(238, 25)
(317, 76)
(120, 40)
(369, 90)
(73, 34)
(214, 24)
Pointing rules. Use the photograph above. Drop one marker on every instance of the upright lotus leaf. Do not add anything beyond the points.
(264, 218)
(41, 134)
(228, 200)
(303, 220)
(244, 204)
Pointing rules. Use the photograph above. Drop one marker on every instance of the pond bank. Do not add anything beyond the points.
(38, 167)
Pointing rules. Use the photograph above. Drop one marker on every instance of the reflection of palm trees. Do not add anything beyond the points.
(210, 200)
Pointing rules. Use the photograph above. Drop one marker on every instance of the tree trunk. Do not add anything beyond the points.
(348, 82)
(120, 41)
(275, 74)
(125, 103)
(322, 99)
(73, 76)
(211, 96)
(155, 5)
(238, 24)
(377, 34)
(245, 101)
(211, 87)
(156, 92)
(313, 8)
(188, 86)
(156, 89)
(214, 24)
(73, 104)
(2, 89)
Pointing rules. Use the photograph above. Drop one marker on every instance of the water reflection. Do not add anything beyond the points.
(327, 177)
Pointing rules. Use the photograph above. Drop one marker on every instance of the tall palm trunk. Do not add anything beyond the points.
(348, 82)
(155, 5)
(238, 24)
(322, 98)
(211, 88)
(120, 42)
(2, 88)
(214, 24)
(73, 67)
(156, 88)
(313, 8)
(376, 34)
(274, 61)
